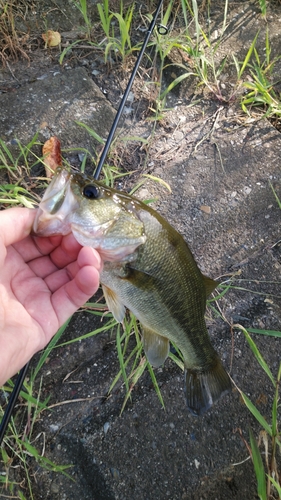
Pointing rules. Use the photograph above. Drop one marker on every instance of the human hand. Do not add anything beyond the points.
(43, 281)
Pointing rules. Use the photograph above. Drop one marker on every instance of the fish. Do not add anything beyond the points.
(148, 268)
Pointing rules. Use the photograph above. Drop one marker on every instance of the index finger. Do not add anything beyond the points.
(61, 249)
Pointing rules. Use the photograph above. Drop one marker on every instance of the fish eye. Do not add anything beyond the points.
(91, 191)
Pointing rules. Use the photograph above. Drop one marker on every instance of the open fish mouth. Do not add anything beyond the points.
(55, 207)
(90, 235)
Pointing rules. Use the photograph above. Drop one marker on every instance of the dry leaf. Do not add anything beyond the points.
(52, 155)
(51, 38)
(206, 209)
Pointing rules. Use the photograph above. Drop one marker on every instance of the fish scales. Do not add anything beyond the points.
(178, 287)
(148, 268)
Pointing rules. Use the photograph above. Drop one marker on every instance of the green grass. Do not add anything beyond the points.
(82, 7)
(260, 89)
(267, 470)
(17, 187)
(205, 67)
(262, 5)
(114, 32)
(117, 40)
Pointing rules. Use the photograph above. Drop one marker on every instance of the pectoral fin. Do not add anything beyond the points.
(155, 347)
(204, 388)
(114, 304)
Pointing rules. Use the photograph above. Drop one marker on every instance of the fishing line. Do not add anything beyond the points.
(163, 30)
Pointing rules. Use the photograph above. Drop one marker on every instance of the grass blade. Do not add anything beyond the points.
(195, 14)
(121, 358)
(92, 132)
(258, 466)
(276, 197)
(135, 377)
(275, 404)
(255, 412)
(49, 348)
(155, 384)
(248, 56)
(157, 179)
(276, 485)
(257, 354)
(175, 82)
(224, 17)
(270, 333)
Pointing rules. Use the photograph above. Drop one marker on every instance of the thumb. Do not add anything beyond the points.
(15, 224)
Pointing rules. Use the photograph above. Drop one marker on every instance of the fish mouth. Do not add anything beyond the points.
(56, 205)
(89, 234)
(111, 249)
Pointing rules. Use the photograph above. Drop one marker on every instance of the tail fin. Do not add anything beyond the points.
(204, 388)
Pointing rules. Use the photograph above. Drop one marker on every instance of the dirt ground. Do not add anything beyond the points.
(219, 165)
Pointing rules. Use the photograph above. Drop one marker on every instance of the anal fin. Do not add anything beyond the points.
(204, 388)
(155, 347)
(114, 304)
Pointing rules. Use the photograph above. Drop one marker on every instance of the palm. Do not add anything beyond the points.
(42, 282)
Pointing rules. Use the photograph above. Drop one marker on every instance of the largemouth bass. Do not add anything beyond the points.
(148, 268)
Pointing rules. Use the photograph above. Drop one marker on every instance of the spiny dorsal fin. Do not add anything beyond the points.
(210, 285)
(114, 304)
(155, 346)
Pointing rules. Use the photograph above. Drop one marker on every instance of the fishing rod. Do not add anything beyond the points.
(12, 401)
(162, 30)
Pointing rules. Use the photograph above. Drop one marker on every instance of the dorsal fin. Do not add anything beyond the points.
(210, 285)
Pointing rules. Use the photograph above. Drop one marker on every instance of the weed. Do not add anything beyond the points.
(18, 451)
(199, 52)
(163, 45)
(11, 43)
(20, 188)
(117, 42)
(105, 17)
(116, 26)
(276, 197)
(267, 483)
(82, 7)
(133, 363)
(111, 170)
(261, 88)
(201, 55)
(262, 4)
